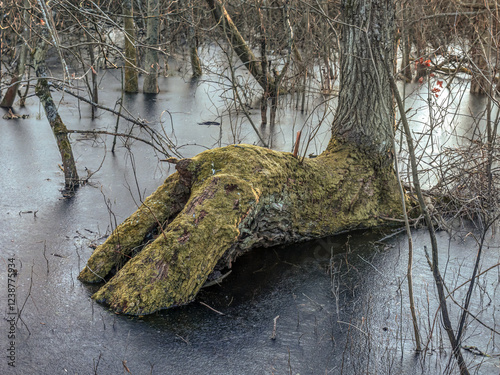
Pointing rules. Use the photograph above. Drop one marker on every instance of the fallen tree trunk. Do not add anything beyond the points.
(236, 198)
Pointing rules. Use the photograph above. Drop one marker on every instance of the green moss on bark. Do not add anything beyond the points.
(129, 237)
(240, 197)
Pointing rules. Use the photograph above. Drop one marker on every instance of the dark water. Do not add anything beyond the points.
(342, 303)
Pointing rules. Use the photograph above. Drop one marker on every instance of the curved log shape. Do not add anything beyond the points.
(224, 202)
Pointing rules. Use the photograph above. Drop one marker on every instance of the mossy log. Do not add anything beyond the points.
(223, 203)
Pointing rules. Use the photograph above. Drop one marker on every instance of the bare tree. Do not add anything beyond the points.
(131, 75)
(71, 180)
(10, 95)
(152, 37)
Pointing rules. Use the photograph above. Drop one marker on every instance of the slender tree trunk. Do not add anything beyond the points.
(94, 68)
(237, 42)
(10, 95)
(193, 48)
(327, 71)
(481, 77)
(71, 180)
(264, 66)
(131, 76)
(152, 35)
(406, 45)
(420, 69)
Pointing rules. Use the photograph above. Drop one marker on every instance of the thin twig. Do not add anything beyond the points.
(211, 308)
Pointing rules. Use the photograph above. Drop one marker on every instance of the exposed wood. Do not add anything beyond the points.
(297, 144)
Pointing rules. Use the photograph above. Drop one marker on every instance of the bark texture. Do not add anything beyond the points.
(196, 70)
(480, 51)
(150, 85)
(365, 110)
(131, 76)
(71, 180)
(10, 95)
(237, 42)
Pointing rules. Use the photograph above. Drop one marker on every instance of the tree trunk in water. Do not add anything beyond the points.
(225, 202)
(150, 85)
(195, 60)
(481, 77)
(406, 64)
(131, 76)
(406, 44)
(258, 197)
(193, 48)
(420, 68)
(10, 95)
(365, 111)
(94, 67)
(71, 180)
(238, 43)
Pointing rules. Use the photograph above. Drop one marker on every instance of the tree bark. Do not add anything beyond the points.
(238, 198)
(406, 43)
(227, 201)
(10, 95)
(150, 85)
(365, 111)
(237, 42)
(420, 43)
(481, 76)
(263, 64)
(131, 76)
(196, 70)
(94, 89)
(71, 180)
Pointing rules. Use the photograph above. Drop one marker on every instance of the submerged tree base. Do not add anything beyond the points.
(224, 202)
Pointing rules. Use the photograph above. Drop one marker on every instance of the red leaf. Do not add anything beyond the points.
(439, 83)
(421, 80)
